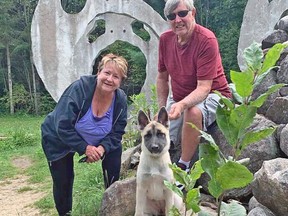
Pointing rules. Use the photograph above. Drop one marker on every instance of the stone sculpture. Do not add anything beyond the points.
(259, 21)
(60, 46)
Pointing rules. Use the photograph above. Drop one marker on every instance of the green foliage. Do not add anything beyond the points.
(47, 103)
(192, 197)
(17, 139)
(224, 18)
(228, 180)
(98, 30)
(233, 209)
(73, 6)
(158, 5)
(139, 101)
(23, 103)
(138, 29)
(228, 42)
(234, 122)
(89, 187)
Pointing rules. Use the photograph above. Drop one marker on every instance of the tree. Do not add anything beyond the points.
(25, 10)
(20, 58)
(224, 18)
(7, 37)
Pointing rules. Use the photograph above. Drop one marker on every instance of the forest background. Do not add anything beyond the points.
(21, 89)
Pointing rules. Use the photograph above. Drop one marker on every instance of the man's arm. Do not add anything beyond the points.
(198, 95)
(195, 97)
(162, 84)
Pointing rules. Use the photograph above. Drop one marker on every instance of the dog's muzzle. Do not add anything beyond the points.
(155, 149)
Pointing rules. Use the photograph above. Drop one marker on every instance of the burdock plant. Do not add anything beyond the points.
(233, 119)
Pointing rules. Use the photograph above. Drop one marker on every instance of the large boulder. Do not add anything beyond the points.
(270, 185)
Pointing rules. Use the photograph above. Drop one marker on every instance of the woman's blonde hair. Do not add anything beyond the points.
(119, 62)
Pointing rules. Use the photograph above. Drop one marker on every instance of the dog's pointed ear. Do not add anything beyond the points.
(163, 117)
(143, 119)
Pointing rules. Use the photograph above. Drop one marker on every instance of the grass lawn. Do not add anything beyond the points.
(20, 137)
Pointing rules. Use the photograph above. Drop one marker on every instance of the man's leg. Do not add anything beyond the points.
(175, 127)
(190, 137)
(201, 115)
(63, 177)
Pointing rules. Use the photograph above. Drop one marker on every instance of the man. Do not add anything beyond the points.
(189, 57)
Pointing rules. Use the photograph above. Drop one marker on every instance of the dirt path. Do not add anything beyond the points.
(17, 195)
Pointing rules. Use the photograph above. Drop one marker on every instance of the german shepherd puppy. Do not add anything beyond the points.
(152, 196)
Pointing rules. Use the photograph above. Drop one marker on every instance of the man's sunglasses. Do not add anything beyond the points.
(183, 13)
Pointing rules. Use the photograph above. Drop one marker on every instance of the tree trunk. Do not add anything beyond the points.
(34, 85)
(27, 75)
(10, 87)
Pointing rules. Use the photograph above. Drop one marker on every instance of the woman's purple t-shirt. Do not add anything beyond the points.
(92, 128)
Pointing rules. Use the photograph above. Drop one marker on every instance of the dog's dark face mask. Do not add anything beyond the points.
(155, 134)
(155, 140)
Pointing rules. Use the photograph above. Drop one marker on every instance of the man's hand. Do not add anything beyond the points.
(176, 110)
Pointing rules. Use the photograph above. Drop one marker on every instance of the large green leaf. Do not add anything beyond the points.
(193, 199)
(223, 119)
(234, 123)
(234, 208)
(173, 188)
(210, 159)
(195, 174)
(255, 136)
(243, 82)
(263, 97)
(253, 56)
(259, 78)
(233, 175)
(179, 174)
(236, 96)
(242, 117)
(215, 188)
(272, 56)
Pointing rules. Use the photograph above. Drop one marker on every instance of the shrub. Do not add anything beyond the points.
(17, 139)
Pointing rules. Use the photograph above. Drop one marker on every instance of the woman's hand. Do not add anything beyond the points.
(94, 153)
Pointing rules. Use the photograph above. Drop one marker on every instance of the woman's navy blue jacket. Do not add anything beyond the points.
(59, 136)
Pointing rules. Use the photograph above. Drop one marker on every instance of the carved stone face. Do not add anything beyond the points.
(60, 44)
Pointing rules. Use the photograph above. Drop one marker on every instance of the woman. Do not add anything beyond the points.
(89, 119)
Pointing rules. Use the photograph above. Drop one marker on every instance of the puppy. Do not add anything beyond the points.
(152, 196)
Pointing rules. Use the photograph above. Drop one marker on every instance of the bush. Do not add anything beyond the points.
(47, 103)
(18, 139)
